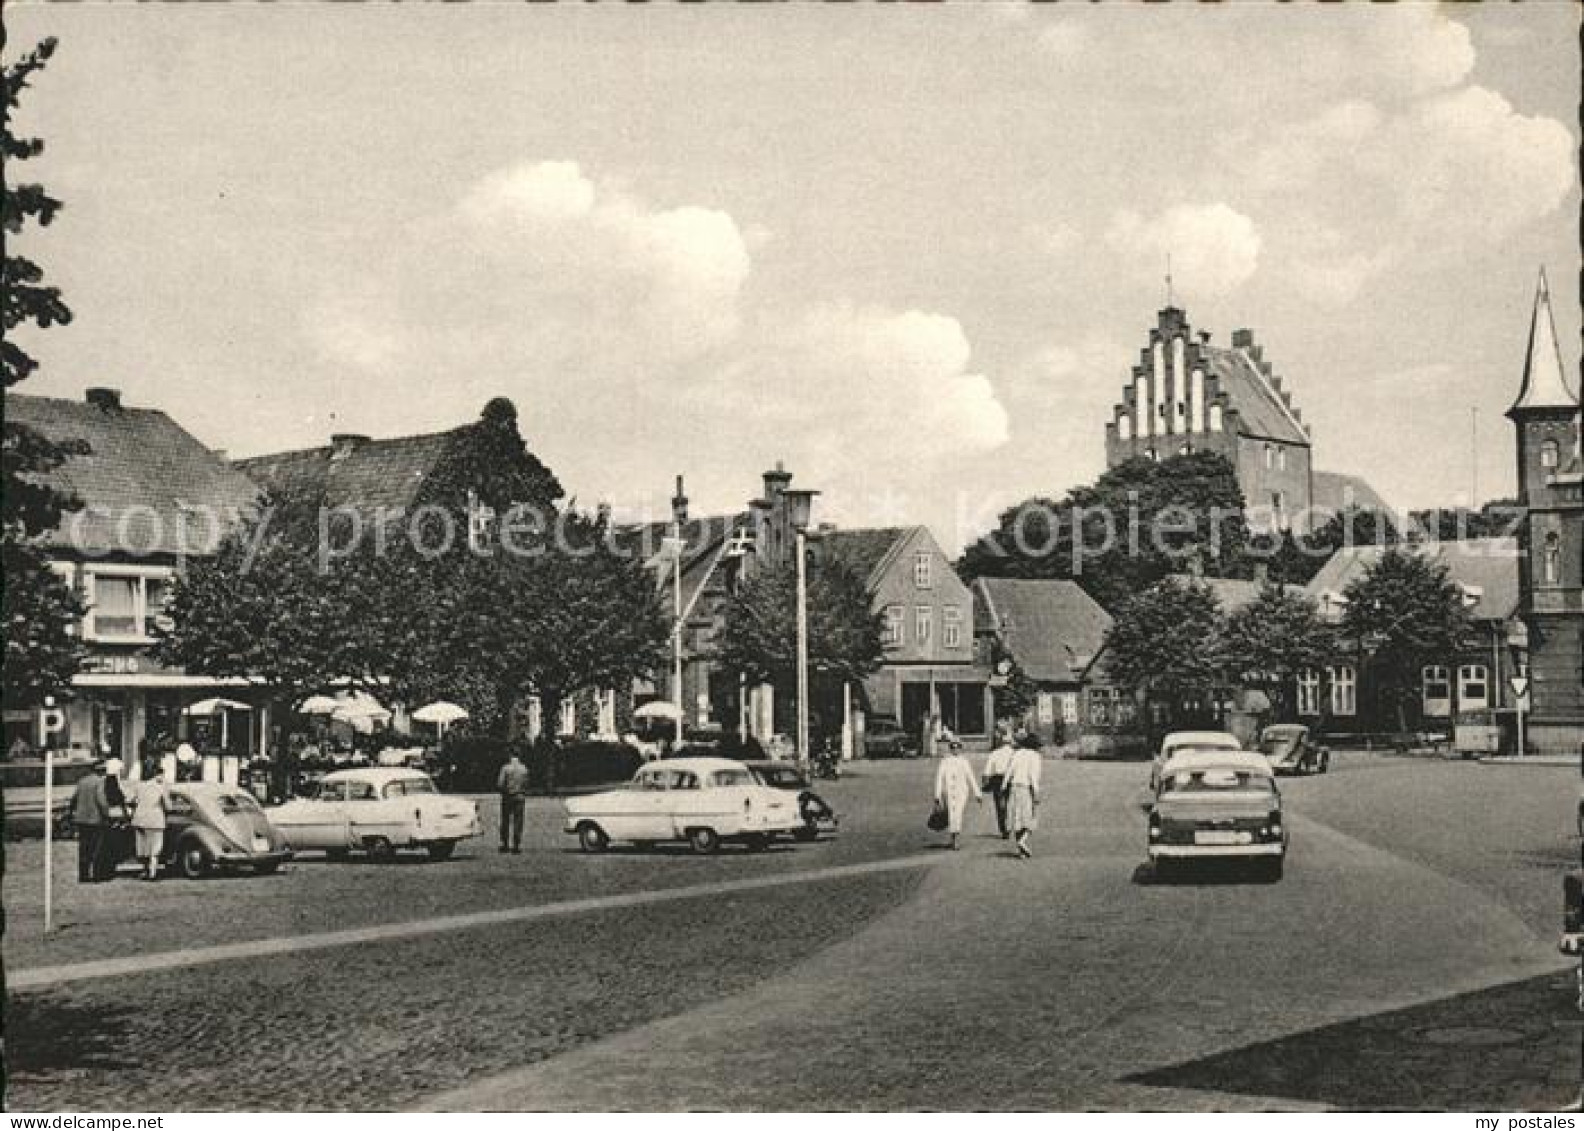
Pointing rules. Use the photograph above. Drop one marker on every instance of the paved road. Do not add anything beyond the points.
(1414, 931)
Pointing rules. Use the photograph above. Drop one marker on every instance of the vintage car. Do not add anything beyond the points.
(789, 776)
(378, 810)
(1217, 804)
(1291, 749)
(885, 738)
(703, 801)
(1189, 740)
(22, 786)
(211, 827)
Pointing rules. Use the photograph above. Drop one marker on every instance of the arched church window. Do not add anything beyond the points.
(1551, 565)
(1550, 455)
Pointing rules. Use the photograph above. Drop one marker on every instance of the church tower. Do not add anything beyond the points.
(1551, 488)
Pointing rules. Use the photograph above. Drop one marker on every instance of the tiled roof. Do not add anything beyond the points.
(1259, 406)
(1335, 492)
(1232, 593)
(373, 474)
(1052, 626)
(1486, 568)
(140, 483)
(863, 550)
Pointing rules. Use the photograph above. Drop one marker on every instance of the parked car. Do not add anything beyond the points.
(22, 786)
(1217, 804)
(1180, 740)
(703, 801)
(814, 809)
(212, 827)
(885, 738)
(378, 810)
(1291, 749)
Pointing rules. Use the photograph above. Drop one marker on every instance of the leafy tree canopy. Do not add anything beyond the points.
(1269, 641)
(1167, 641)
(759, 638)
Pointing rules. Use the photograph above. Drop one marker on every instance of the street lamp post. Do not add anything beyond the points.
(673, 547)
(1518, 644)
(800, 506)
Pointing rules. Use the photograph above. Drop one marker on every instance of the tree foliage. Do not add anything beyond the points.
(41, 612)
(1268, 642)
(1140, 522)
(759, 638)
(1166, 642)
(1404, 612)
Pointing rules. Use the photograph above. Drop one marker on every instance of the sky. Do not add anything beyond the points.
(910, 252)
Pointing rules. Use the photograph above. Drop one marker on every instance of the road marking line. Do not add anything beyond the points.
(39, 977)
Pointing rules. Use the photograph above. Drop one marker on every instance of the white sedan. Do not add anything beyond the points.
(700, 800)
(378, 810)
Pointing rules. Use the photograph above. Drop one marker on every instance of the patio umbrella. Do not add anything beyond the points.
(361, 710)
(319, 705)
(659, 709)
(441, 714)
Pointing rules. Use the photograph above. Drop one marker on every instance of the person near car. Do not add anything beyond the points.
(1023, 790)
(994, 780)
(150, 806)
(512, 783)
(954, 785)
(90, 817)
(118, 817)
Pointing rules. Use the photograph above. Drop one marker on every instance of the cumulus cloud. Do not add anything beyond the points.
(1213, 247)
(621, 318)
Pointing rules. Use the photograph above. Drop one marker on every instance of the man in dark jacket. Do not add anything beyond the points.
(90, 815)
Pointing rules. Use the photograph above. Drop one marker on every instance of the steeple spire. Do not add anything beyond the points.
(1545, 381)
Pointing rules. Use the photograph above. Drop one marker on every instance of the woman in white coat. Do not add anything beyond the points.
(955, 783)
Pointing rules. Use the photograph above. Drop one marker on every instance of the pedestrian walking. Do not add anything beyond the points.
(994, 781)
(150, 806)
(954, 785)
(1023, 789)
(90, 817)
(512, 783)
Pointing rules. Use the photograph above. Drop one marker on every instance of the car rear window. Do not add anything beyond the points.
(1217, 781)
(237, 803)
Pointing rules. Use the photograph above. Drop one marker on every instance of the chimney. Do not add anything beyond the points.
(776, 481)
(1242, 339)
(343, 444)
(602, 512)
(103, 399)
(1204, 337)
(1262, 574)
(679, 504)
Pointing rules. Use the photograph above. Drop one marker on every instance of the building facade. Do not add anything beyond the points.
(1187, 395)
(1546, 416)
(152, 498)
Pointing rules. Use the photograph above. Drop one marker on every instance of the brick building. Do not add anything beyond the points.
(1546, 416)
(1187, 395)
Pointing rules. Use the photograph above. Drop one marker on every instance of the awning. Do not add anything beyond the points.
(156, 680)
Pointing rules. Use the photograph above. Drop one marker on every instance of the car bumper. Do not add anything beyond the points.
(1190, 851)
(251, 859)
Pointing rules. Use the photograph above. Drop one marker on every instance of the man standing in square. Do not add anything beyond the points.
(512, 783)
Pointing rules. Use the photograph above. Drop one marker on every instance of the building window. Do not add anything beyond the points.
(892, 626)
(1344, 690)
(923, 619)
(1270, 456)
(1551, 563)
(607, 712)
(1069, 708)
(1100, 706)
(1216, 423)
(123, 606)
(1550, 455)
(1281, 459)
(1437, 692)
(921, 570)
(568, 716)
(1473, 687)
(1045, 704)
(1309, 692)
(951, 626)
(1125, 427)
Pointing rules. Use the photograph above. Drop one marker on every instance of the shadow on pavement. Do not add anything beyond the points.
(65, 1038)
(1202, 873)
(1512, 1047)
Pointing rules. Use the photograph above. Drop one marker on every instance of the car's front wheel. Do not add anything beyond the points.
(441, 850)
(380, 849)
(704, 840)
(592, 837)
(806, 832)
(193, 860)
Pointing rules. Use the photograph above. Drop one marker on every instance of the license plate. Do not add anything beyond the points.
(1215, 836)
(261, 844)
